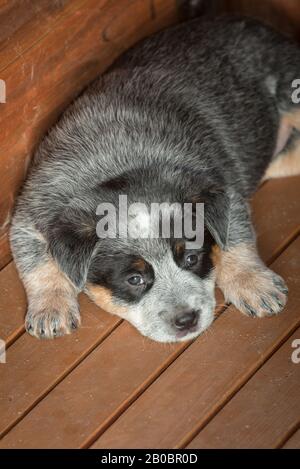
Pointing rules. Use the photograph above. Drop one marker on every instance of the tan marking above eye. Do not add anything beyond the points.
(139, 264)
(197, 199)
(103, 297)
(179, 248)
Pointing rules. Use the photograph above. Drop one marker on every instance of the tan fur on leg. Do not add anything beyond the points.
(52, 308)
(286, 164)
(293, 119)
(247, 282)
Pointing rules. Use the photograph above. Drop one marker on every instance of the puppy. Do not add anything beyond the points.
(199, 113)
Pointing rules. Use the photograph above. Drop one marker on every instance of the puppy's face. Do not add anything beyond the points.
(164, 289)
(160, 285)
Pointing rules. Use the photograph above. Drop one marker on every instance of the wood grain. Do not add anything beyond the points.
(272, 229)
(127, 364)
(276, 214)
(34, 367)
(12, 304)
(24, 23)
(264, 410)
(101, 385)
(78, 42)
(293, 442)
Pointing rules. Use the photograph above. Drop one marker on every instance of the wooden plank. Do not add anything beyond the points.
(293, 442)
(101, 385)
(47, 378)
(276, 214)
(33, 367)
(5, 252)
(264, 410)
(117, 372)
(24, 23)
(47, 76)
(200, 381)
(12, 304)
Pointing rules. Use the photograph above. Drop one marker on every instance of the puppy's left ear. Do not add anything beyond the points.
(227, 216)
(72, 238)
(216, 215)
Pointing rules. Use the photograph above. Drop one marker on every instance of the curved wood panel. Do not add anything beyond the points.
(53, 53)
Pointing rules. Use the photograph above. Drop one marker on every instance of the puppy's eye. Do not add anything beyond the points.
(136, 280)
(191, 260)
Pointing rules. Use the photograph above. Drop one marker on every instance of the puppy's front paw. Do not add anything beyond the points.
(49, 322)
(258, 293)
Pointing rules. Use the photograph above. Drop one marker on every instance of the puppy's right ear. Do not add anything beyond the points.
(72, 238)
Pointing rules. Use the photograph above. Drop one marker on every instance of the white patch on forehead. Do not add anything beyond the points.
(144, 222)
(139, 221)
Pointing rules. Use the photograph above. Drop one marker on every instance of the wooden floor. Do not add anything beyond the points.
(106, 386)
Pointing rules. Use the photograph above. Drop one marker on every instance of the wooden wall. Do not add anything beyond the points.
(50, 50)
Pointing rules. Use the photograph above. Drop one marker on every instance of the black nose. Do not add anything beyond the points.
(186, 319)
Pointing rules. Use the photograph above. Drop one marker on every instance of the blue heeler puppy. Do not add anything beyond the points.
(201, 112)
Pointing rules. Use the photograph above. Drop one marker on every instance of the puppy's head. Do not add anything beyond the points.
(163, 286)
(164, 289)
